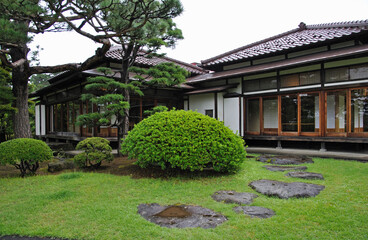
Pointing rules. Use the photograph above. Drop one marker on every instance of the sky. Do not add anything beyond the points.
(213, 27)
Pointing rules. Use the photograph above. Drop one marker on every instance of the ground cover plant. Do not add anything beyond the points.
(80, 205)
(186, 140)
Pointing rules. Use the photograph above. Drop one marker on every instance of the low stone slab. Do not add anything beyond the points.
(276, 168)
(254, 211)
(284, 159)
(180, 216)
(305, 175)
(286, 190)
(234, 197)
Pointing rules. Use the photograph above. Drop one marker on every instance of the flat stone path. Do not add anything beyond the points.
(284, 159)
(234, 197)
(286, 190)
(277, 168)
(180, 216)
(254, 211)
(305, 175)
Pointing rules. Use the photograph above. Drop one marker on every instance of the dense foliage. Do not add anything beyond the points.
(95, 150)
(25, 154)
(186, 140)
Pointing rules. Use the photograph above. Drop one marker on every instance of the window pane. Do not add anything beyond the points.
(268, 83)
(290, 80)
(289, 113)
(359, 111)
(336, 111)
(309, 78)
(309, 112)
(270, 115)
(359, 72)
(251, 85)
(337, 75)
(253, 115)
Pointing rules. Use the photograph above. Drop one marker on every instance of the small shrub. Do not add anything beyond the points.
(186, 140)
(96, 150)
(25, 154)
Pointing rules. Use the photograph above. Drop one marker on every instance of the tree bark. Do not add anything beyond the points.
(20, 77)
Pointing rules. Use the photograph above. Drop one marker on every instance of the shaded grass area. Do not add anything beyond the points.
(80, 205)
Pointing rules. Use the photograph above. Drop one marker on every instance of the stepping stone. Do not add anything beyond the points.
(284, 159)
(234, 197)
(180, 216)
(286, 190)
(253, 211)
(305, 175)
(276, 168)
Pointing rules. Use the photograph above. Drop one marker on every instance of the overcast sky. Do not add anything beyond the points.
(212, 27)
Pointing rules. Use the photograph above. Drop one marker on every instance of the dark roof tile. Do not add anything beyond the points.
(302, 36)
(115, 54)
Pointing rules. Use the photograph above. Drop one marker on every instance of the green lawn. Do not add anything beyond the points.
(102, 206)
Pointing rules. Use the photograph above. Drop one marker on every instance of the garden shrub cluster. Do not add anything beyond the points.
(25, 154)
(184, 139)
(95, 150)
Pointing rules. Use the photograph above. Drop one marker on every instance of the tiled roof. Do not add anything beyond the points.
(115, 54)
(323, 56)
(301, 36)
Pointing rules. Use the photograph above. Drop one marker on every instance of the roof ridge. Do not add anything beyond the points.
(251, 45)
(184, 63)
(357, 23)
(301, 27)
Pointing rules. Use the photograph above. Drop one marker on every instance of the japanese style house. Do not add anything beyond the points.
(59, 104)
(309, 84)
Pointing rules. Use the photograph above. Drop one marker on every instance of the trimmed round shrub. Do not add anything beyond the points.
(25, 154)
(184, 139)
(95, 150)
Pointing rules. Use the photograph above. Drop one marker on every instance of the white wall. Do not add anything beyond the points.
(186, 105)
(231, 114)
(220, 106)
(202, 102)
(43, 119)
(37, 120)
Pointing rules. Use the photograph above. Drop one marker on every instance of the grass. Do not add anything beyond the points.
(102, 206)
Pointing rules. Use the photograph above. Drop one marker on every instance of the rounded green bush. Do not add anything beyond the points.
(25, 154)
(96, 150)
(186, 140)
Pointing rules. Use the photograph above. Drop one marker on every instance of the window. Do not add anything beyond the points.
(359, 111)
(260, 84)
(309, 104)
(336, 112)
(347, 73)
(337, 75)
(253, 124)
(270, 115)
(209, 112)
(289, 113)
(358, 72)
(301, 79)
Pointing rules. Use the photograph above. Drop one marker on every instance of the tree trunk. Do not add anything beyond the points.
(20, 76)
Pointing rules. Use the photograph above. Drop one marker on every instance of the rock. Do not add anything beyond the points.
(60, 165)
(284, 159)
(180, 216)
(253, 211)
(234, 197)
(276, 168)
(286, 190)
(305, 175)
